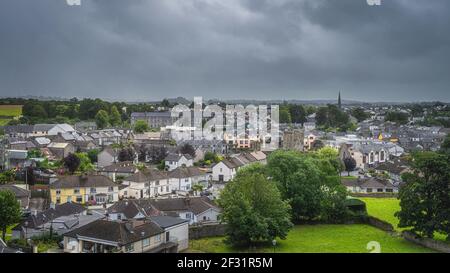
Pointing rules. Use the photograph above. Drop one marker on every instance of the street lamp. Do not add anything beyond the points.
(274, 243)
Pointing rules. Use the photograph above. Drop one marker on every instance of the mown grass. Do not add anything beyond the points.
(320, 239)
(385, 209)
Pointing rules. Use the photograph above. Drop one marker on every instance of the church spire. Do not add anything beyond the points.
(339, 100)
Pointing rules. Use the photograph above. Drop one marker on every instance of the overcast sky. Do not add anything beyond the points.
(261, 49)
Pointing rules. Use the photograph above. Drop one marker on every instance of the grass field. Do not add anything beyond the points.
(7, 111)
(321, 239)
(385, 208)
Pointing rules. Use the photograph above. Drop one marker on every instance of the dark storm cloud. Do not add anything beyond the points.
(151, 49)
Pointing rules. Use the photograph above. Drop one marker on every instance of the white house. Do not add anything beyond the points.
(369, 185)
(183, 178)
(174, 161)
(145, 184)
(225, 170)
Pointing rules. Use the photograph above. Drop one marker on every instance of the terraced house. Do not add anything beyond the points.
(84, 189)
(146, 183)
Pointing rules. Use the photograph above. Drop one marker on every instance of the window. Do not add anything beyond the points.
(146, 242)
(79, 199)
(69, 199)
(158, 238)
(119, 216)
(111, 189)
(188, 215)
(76, 191)
(93, 190)
(58, 192)
(369, 190)
(58, 200)
(129, 247)
(379, 190)
(389, 190)
(157, 183)
(167, 188)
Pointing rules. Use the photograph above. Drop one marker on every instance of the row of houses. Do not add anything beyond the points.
(146, 225)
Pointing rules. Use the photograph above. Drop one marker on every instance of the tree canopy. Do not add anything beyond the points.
(253, 209)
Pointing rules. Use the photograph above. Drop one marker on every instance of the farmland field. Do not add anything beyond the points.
(7, 112)
(320, 239)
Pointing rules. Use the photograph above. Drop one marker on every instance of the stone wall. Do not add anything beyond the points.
(380, 224)
(206, 230)
(429, 243)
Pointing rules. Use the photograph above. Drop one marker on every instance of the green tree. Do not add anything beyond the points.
(445, 146)
(85, 162)
(359, 114)
(93, 155)
(102, 119)
(285, 115)
(397, 117)
(350, 164)
(10, 212)
(253, 208)
(140, 126)
(298, 113)
(425, 196)
(212, 157)
(115, 117)
(310, 184)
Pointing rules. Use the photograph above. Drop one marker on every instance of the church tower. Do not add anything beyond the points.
(339, 101)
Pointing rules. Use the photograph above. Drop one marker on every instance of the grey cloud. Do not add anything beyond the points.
(151, 49)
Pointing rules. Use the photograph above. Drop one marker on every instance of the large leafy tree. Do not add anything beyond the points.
(85, 162)
(310, 184)
(253, 208)
(187, 149)
(350, 164)
(115, 117)
(102, 119)
(359, 114)
(298, 113)
(425, 197)
(71, 162)
(140, 126)
(10, 212)
(126, 154)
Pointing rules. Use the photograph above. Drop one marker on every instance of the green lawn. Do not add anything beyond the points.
(385, 208)
(321, 239)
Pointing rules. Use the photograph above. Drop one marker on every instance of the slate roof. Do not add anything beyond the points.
(167, 221)
(76, 181)
(18, 192)
(369, 182)
(120, 167)
(132, 207)
(34, 221)
(120, 232)
(196, 205)
(184, 172)
(146, 175)
(177, 157)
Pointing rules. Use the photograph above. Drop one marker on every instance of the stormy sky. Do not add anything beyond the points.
(138, 50)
